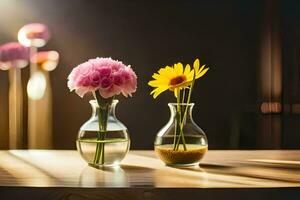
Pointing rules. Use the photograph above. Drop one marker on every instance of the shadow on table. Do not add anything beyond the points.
(119, 176)
(248, 170)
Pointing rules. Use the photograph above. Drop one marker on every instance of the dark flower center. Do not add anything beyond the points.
(177, 80)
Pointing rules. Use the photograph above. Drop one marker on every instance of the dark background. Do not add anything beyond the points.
(225, 35)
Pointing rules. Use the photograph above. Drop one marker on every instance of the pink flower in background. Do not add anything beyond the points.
(108, 76)
(34, 34)
(37, 30)
(13, 53)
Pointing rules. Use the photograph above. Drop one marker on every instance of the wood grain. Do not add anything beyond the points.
(43, 175)
(219, 169)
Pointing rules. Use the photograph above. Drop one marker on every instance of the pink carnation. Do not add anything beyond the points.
(13, 52)
(108, 76)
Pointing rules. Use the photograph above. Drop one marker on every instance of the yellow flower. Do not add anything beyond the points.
(175, 77)
(199, 72)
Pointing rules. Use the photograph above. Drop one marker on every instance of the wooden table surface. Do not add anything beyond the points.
(227, 170)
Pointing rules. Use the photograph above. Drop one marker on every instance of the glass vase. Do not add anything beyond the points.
(181, 142)
(103, 140)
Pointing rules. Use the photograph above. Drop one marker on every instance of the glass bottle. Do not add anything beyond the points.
(181, 142)
(100, 146)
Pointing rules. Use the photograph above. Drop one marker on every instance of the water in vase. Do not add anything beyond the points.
(115, 148)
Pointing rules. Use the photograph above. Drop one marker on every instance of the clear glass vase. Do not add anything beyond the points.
(181, 142)
(103, 140)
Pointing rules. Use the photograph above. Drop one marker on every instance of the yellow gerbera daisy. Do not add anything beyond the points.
(175, 77)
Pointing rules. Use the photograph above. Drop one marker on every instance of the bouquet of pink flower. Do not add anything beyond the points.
(105, 78)
(105, 75)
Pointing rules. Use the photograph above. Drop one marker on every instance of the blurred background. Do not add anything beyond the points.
(250, 99)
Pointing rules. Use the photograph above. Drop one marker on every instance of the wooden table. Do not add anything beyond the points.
(42, 174)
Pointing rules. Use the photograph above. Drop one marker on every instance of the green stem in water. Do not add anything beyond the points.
(103, 112)
(177, 120)
(183, 95)
(178, 123)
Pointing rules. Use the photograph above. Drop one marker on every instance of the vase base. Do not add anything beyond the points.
(183, 165)
(181, 157)
(97, 166)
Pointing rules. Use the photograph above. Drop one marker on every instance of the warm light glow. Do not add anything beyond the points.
(36, 86)
(53, 55)
(20, 63)
(4, 65)
(22, 38)
(52, 61)
(49, 65)
(17, 64)
(270, 107)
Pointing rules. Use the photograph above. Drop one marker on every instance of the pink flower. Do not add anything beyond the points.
(106, 83)
(12, 53)
(118, 78)
(110, 92)
(108, 76)
(105, 71)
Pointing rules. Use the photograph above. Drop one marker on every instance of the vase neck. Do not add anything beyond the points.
(181, 109)
(96, 109)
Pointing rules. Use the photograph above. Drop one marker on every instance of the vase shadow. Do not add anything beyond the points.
(135, 168)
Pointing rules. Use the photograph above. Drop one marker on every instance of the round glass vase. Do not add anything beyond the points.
(181, 142)
(103, 140)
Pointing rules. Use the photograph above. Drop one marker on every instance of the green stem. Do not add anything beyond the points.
(181, 136)
(185, 115)
(188, 101)
(183, 95)
(184, 119)
(177, 120)
(103, 112)
(186, 109)
(178, 124)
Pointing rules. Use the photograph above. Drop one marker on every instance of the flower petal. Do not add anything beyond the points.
(155, 76)
(196, 65)
(190, 76)
(167, 72)
(202, 73)
(178, 68)
(157, 83)
(158, 91)
(187, 70)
